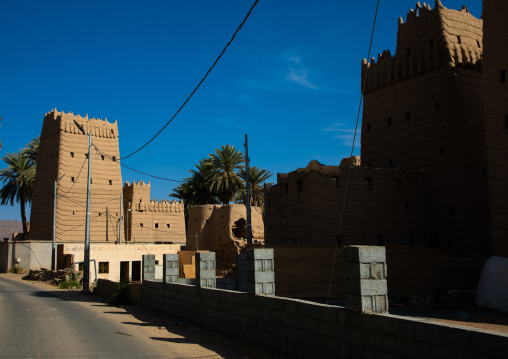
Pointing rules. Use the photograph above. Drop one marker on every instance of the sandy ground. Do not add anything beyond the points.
(160, 330)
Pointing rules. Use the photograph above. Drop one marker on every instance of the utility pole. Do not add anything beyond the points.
(107, 224)
(53, 254)
(196, 242)
(120, 219)
(247, 186)
(86, 262)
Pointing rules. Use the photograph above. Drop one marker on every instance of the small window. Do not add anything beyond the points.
(103, 267)
(408, 116)
(86, 155)
(156, 262)
(459, 40)
(72, 154)
(168, 225)
(73, 213)
(389, 121)
(156, 225)
(452, 211)
(80, 267)
(478, 43)
(438, 107)
(102, 157)
(114, 158)
(408, 51)
(502, 76)
(431, 43)
(299, 185)
(91, 180)
(100, 214)
(110, 182)
(367, 183)
(141, 225)
(442, 151)
(390, 163)
(368, 127)
(207, 221)
(72, 179)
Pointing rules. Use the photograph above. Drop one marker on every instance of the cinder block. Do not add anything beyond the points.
(364, 254)
(366, 286)
(260, 253)
(261, 277)
(371, 270)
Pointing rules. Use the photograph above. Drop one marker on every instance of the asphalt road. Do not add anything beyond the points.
(39, 322)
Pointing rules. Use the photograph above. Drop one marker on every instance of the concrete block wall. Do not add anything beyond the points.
(148, 267)
(205, 270)
(310, 330)
(170, 272)
(261, 271)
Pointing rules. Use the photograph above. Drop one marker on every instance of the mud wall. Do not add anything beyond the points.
(383, 207)
(151, 220)
(495, 68)
(223, 229)
(423, 109)
(64, 152)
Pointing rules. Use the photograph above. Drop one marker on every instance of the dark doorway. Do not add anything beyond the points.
(136, 271)
(240, 228)
(124, 271)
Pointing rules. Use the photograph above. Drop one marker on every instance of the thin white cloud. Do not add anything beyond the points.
(300, 76)
(343, 134)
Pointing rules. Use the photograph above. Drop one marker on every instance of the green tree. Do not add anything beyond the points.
(257, 177)
(18, 179)
(224, 179)
(32, 150)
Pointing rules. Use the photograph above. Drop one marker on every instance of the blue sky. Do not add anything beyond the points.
(290, 79)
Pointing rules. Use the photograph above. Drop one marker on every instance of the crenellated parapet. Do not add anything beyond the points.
(428, 40)
(136, 197)
(56, 121)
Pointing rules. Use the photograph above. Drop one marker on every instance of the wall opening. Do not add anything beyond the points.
(72, 154)
(368, 127)
(478, 43)
(141, 225)
(168, 225)
(240, 228)
(136, 271)
(442, 151)
(438, 107)
(124, 271)
(103, 267)
(389, 121)
(367, 183)
(299, 185)
(102, 157)
(459, 40)
(110, 182)
(390, 163)
(156, 225)
(502, 76)
(408, 116)
(431, 43)
(72, 179)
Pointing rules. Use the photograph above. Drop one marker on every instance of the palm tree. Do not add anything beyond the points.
(32, 150)
(18, 179)
(223, 179)
(256, 177)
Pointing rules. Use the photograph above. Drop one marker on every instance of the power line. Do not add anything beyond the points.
(199, 84)
(132, 169)
(83, 165)
(351, 156)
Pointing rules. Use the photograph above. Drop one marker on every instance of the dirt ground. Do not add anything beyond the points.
(190, 339)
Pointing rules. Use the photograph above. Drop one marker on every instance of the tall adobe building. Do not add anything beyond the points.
(63, 152)
(423, 110)
(495, 67)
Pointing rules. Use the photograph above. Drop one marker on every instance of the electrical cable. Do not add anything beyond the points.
(199, 84)
(351, 156)
(132, 169)
(76, 180)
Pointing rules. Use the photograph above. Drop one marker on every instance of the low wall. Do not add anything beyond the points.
(309, 330)
(105, 289)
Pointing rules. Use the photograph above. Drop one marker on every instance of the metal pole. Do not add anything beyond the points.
(247, 186)
(196, 242)
(86, 262)
(120, 219)
(53, 245)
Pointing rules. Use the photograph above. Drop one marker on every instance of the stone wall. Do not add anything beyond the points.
(151, 220)
(384, 206)
(64, 151)
(495, 68)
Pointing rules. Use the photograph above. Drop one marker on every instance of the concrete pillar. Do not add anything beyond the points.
(170, 270)
(205, 270)
(260, 271)
(241, 266)
(148, 266)
(365, 279)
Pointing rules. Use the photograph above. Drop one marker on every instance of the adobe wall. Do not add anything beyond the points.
(223, 229)
(423, 109)
(383, 206)
(495, 39)
(151, 220)
(63, 151)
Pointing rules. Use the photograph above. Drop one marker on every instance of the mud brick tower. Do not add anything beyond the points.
(64, 151)
(423, 109)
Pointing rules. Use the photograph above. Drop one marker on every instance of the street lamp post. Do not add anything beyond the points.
(53, 255)
(86, 261)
